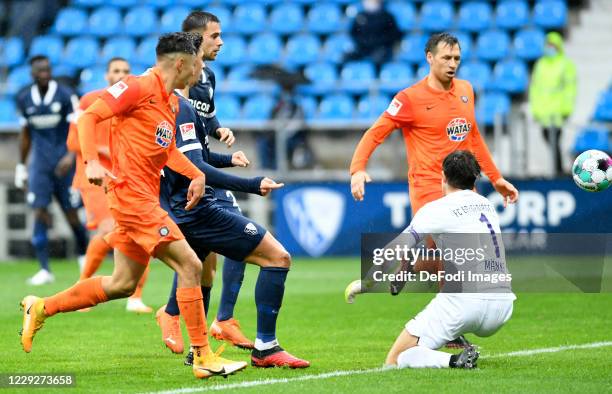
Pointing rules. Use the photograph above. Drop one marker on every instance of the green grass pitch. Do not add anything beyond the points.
(110, 350)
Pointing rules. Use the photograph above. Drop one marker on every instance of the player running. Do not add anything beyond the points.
(45, 108)
(141, 144)
(482, 307)
(210, 227)
(93, 197)
(201, 96)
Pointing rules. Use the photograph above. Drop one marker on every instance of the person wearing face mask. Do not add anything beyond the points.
(552, 93)
(374, 32)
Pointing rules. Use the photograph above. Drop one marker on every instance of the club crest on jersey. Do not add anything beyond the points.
(188, 131)
(163, 134)
(164, 231)
(464, 99)
(458, 129)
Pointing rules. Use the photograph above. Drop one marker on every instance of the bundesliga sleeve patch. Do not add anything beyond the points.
(394, 107)
(117, 89)
(188, 131)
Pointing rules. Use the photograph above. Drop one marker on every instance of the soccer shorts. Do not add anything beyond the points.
(221, 231)
(96, 205)
(448, 316)
(140, 226)
(423, 194)
(226, 199)
(43, 185)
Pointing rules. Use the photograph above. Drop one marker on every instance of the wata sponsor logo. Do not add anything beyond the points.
(458, 129)
(250, 229)
(314, 216)
(163, 134)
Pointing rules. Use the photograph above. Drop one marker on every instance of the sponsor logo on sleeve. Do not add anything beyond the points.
(394, 107)
(188, 131)
(117, 89)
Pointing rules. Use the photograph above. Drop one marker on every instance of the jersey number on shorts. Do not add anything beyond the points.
(484, 219)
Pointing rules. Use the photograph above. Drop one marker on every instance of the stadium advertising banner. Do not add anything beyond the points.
(316, 219)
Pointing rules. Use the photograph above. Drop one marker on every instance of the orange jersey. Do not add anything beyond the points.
(434, 123)
(102, 137)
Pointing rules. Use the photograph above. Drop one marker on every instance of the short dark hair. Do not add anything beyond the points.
(198, 20)
(461, 169)
(181, 42)
(435, 39)
(38, 58)
(115, 59)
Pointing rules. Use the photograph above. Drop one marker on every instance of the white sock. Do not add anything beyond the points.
(261, 345)
(422, 357)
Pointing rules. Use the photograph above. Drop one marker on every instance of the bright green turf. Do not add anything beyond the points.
(113, 351)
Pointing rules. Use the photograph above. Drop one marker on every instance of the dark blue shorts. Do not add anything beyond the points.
(226, 199)
(43, 185)
(224, 232)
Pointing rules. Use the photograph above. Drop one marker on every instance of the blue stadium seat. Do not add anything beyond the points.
(218, 70)
(357, 76)
(258, 107)
(63, 70)
(412, 48)
(287, 18)
(161, 4)
(465, 42)
(224, 15)
(404, 13)
(309, 106)
(105, 22)
(193, 3)
(436, 16)
(475, 16)
(422, 71)
(323, 77)
(477, 73)
(550, 14)
(50, 46)
(511, 76)
(124, 47)
(240, 83)
(493, 45)
(233, 52)
(92, 79)
(8, 111)
(592, 137)
(301, 49)
(145, 53)
(11, 52)
(138, 69)
(490, 105)
(123, 3)
(227, 107)
(603, 111)
(249, 18)
(324, 18)
(141, 21)
(241, 72)
(370, 107)
(264, 48)
(337, 106)
(88, 3)
(17, 78)
(336, 47)
(512, 14)
(81, 52)
(395, 76)
(70, 22)
(529, 43)
(172, 18)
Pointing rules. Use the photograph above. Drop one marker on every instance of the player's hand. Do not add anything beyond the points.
(239, 159)
(195, 192)
(507, 190)
(95, 173)
(358, 181)
(226, 135)
(64, 165)
(267, 185)
(21, 176)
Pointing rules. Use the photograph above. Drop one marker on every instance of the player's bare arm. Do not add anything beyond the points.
(21, 170)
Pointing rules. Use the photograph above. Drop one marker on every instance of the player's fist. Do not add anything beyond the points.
(239, 159)
(226, 135)
(267, 185)
(358, 181)
(507, 190)
(21, 176)
(95, 173)
(195, 192)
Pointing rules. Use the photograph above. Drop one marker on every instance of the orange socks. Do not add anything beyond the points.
(192, 309)
(140, 285)
(96, 252)
(83, 294)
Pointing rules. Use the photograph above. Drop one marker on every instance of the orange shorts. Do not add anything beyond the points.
(96, 205)
(140, 228)
(423, 194)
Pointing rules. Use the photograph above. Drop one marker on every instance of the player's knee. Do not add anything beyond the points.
(281, 259)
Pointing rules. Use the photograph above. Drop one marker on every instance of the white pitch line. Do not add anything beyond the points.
(327, 375)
